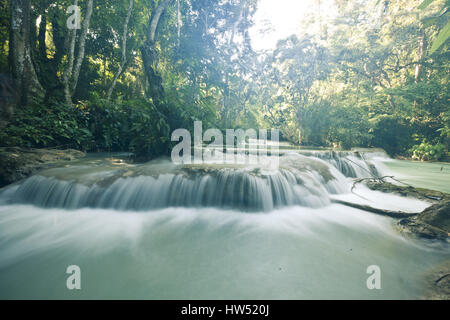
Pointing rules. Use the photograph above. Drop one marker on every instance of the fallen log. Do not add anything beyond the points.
(432, 223)
(388, 213)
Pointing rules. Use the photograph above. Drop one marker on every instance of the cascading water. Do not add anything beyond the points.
(352, 164)
(160, 230)
(298, 181)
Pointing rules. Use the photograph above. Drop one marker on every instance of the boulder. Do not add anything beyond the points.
(432, 223)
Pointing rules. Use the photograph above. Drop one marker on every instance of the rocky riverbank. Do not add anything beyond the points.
(433, 222)
(19, 163)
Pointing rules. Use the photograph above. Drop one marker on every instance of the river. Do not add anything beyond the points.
(165, 231)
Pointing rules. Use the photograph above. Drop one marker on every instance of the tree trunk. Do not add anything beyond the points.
(124, 51)
(179, 23)
(42, 49)
(420, 56)
(23, 69)
(82, 46)
(70, 61)
(226, 92)
(72, 71)
(150, 54)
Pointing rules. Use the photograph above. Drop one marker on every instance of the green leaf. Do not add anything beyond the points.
(441, 38)
(425, 4)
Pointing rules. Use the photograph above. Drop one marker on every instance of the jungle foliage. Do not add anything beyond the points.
(373, 75)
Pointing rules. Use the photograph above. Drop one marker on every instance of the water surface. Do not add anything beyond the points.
(160, 231)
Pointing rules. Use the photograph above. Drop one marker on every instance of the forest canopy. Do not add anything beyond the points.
(373, 74)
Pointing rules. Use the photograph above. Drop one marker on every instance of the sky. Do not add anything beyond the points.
(285, 16)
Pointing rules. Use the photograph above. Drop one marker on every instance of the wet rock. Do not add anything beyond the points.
(437, 216)
(18, 163)
(438, 282)
(432, 223)
(409, 191)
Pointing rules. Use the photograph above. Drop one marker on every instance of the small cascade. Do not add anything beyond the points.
(306, 179)
(352, 164)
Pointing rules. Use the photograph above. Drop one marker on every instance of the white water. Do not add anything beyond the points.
(159, 231)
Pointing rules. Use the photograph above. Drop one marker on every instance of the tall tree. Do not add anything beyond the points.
(124, 51)
(150, 53)
(72, 71)
(23, 69)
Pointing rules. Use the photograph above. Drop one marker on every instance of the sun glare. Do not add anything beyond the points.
(278, 19)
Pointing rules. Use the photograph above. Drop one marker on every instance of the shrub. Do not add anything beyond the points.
(427, 151)
(54, 126)
(134, 126)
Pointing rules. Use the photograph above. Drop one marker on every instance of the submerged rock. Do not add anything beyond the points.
(18, 163)
(438, 282)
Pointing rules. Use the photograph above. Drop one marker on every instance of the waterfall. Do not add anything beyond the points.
(357, 164)
(301, 179)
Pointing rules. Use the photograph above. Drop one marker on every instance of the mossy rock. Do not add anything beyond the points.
(19, 163)
(437, 216)
(432, 223)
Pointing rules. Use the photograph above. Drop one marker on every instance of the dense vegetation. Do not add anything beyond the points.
(374, 75)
